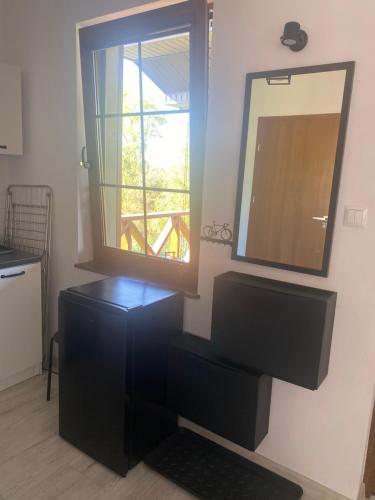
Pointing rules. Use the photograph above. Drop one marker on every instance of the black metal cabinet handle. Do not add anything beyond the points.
(7, 276)
(3, 146)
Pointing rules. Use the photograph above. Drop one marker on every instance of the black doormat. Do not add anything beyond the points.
(211, 472)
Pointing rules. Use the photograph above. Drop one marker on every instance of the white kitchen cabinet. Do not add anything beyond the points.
(20, 324)
(11, 142)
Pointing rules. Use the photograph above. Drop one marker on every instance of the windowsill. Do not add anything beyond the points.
(94, 267)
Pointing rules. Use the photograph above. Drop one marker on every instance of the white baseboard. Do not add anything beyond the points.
(20, 377)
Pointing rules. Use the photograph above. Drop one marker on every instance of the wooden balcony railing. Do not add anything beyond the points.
(175, 223)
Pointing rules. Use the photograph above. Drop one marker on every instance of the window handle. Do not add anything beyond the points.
(3, 146)
(84, 163)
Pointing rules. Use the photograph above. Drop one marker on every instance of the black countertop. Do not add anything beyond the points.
(17, 258)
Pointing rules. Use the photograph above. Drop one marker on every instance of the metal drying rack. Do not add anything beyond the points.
(28, 228)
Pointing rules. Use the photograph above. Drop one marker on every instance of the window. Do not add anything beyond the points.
(145, 87)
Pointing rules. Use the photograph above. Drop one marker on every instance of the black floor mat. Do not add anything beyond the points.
(210, 472)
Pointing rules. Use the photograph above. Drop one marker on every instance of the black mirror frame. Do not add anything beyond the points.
(349, 67)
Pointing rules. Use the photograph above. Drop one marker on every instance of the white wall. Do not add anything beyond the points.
(320, 434)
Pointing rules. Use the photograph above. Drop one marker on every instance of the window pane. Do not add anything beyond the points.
(132, 221)
(108, 80)
(120, 150)
(131, 102)
(167, 151)
(124, 219)
(110, 134)
(132, 152)
(168, 227)
(165, 73)
(117, 80)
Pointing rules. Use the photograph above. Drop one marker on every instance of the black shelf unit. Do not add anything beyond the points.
(232, 402)
(276, 328)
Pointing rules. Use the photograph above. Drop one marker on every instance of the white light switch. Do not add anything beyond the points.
(355, 217)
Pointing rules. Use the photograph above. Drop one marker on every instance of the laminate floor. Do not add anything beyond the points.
(36, 464)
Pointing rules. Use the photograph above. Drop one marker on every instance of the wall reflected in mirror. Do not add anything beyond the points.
(294, 125)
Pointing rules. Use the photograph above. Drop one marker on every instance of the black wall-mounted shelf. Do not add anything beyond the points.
(276, 328)
(229, 401)
(216, 240)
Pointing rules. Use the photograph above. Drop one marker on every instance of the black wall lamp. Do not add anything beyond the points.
(293, 37)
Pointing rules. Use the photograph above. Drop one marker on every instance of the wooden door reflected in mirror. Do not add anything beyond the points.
(292, 146)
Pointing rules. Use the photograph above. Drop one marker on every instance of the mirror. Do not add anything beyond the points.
(292, 146)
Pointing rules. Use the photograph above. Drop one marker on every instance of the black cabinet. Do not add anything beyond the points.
(113, 354)
(276, 328)
(219, 396)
